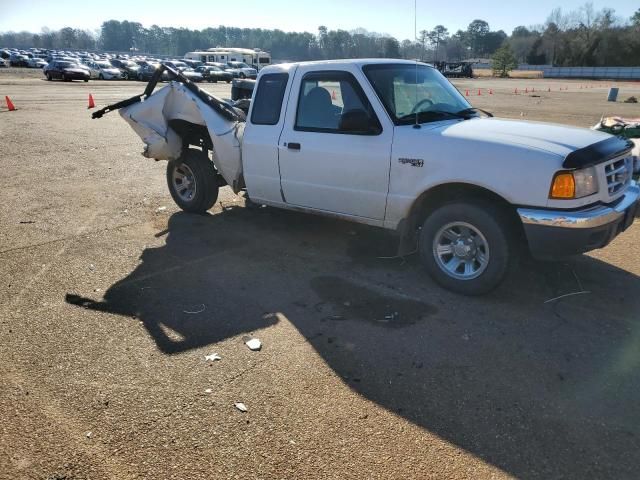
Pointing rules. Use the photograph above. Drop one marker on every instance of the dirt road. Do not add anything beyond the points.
(110, 298)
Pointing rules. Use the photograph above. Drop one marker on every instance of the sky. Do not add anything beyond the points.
(395, 17)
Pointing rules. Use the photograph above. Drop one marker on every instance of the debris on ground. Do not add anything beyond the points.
(631, 100)
(212, 357)
(161, 209)
(209, 390)
(240, 406)
(584, 292)
(196, 309)
(88, 434)
(253, 343)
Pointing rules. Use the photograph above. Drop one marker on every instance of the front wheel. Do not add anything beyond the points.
(192, 181)
(465, 246)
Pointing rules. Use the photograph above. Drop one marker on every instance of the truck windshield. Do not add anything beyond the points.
(409, 93)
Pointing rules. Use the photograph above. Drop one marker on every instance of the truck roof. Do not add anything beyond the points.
(342, 63)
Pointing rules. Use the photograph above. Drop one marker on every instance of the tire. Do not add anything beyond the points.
(86, 80)
(242, 76)
(65, 78)
(49, 77)
(478, 237)
(195, 168)
(228, 81)
(100, 77)
(125, 76)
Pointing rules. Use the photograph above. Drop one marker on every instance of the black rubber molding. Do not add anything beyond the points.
(598, 152)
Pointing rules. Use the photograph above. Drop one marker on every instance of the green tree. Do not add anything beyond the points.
(504, 61)
(475, 34)
(437, 36)
(635, 19)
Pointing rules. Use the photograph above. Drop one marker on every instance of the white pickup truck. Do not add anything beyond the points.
(393, 144)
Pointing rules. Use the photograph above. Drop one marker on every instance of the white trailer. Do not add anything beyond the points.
(255, 58)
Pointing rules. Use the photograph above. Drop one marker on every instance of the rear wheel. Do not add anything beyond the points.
(49, 76)
(100, 77)
(192, 181)
(465, 246)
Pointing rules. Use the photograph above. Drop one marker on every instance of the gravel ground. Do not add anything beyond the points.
(109, 304)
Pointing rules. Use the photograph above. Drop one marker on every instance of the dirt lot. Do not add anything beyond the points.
(109, 302)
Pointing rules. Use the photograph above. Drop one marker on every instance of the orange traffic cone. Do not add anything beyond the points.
(549, 90)
(466, 93)
(526, 90)
(515, 92)
(10, 104)
(533, 90)
(479, 93)
(333, 95)
(92, 104)
(490, 91)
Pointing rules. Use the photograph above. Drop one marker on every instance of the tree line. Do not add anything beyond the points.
(584, 37)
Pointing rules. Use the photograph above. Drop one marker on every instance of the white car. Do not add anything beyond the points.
(4, 62)
(241, 70)
(393, 144)
(36, 63)
(104, 71)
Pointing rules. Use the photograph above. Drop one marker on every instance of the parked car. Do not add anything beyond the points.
(214, 74)
(147, 71)
(67, 71)
(18, 60)
(405, 151)
(183, 68)
(36, 62)
(104, 71)
(242, 70)
(129, 69)
(4, 62)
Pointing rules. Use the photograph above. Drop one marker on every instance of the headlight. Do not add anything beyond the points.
(574, 184)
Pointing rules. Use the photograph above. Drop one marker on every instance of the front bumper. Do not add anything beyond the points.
(557, 233)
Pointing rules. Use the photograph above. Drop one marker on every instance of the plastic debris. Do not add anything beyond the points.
(212, 357)
(88, 434)
(254, 344)
(240, 406)
(196, 309)
(161, 209)
(208, 390)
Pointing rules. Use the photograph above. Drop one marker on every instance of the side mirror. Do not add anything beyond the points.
(358, 121)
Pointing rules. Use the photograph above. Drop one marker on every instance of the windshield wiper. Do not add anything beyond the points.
(475, 110)
(431, 116)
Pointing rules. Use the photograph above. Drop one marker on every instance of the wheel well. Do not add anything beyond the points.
(192, 134)
(447, 193)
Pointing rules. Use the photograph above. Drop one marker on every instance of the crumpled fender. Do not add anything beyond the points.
(150, 120)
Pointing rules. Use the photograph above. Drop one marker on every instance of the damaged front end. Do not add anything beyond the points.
(181, 114)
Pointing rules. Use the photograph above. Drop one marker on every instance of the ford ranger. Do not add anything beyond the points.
(393, 144)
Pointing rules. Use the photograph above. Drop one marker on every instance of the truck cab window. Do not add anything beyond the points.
(268, 99)
(327, 99)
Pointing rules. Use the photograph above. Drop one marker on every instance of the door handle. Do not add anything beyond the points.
(293, 146)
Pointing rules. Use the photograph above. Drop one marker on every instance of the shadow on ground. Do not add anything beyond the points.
(541, 390)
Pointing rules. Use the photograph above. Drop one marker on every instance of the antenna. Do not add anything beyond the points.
(415, 36)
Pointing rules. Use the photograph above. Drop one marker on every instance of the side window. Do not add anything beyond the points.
(267, 102)
(333, 102)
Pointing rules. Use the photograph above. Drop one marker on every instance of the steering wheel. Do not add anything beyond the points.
(417, 106)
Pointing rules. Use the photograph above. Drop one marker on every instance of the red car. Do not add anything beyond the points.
(65, 70)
